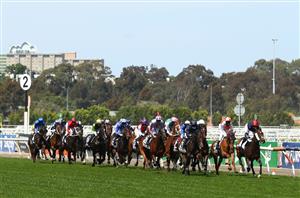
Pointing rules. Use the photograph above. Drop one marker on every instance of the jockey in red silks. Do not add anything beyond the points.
(142, 130)
(250, 128)
(70, 126)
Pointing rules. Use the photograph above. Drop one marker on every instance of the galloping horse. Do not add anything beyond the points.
(226, 151)
(97, 144)
(191, 151)
(169, 146)
(251, 152)
(70, 146)
(55, 140)
(108, 132)
(202, 155)
(122, 151)
(157, 148)
(37, 142)
(80, 144)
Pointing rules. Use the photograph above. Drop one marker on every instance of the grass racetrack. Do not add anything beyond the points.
(22, 178)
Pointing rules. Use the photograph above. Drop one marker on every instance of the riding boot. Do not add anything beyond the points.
(64, 139)
(175, 149)
(33, 138)
(134, 144)
(244, 144)
(114, 141)
(182, 147)
(218, 146)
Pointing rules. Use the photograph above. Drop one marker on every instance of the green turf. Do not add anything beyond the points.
(22, 178)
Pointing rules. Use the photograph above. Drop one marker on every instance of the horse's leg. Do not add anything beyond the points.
(183, 163)
(219, 164)
(187, 164)
(137, 158)
(168, 161)
(53, 154)
(114, 157)
(216, 163)
(193, 165)
(108, 153)
(69, 157)
(241, 163)
(260, 167)
(205, 159)
(248, 165)
(253, 172)
(94, 158)
(233, 162)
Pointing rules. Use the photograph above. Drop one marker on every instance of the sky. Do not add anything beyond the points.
(223, 36)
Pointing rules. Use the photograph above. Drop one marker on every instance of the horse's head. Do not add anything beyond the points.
(43, 130)
(101, 134)
(127, 132)
(58, 129)
(108, 128)
(203, 129)
(201, 137)
(259, 136)
(230, 140)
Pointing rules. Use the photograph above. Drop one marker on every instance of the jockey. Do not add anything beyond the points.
(120, 125)
(156, 124)
(170, 124)
(97, 125)
(107, 121)
(224, 127)
(71, 124)
(250, 129)
(57, 122)
(38, 124)
(182, 134)
(186, 131)
(201, 122)
(142, 131)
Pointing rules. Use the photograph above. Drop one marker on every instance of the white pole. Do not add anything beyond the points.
(274, 42)
(28, 120)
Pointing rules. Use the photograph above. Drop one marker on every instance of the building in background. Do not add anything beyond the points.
(38, 62)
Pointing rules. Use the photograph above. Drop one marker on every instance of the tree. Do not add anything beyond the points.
(16, 69)
(200, 114)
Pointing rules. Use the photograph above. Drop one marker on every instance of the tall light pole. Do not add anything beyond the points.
(210, 104)
(274, 42)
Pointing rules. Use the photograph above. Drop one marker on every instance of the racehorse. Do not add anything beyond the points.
(80, 144)
(36, 142)
(55, 140)
(157, 148)
(203, 148)
(251, 152)
(226, 151)
(191, 151)
(169, 146)
(108, 132)
(97, 144)
(70, 145)
(122, 151)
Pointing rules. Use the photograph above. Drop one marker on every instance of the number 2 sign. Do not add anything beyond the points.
(25, 82)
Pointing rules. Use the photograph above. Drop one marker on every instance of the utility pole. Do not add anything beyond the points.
(210, 105)
(274, 43)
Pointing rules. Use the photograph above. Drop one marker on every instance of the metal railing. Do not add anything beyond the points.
(271, 133)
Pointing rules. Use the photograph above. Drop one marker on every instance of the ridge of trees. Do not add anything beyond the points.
(141, 90)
